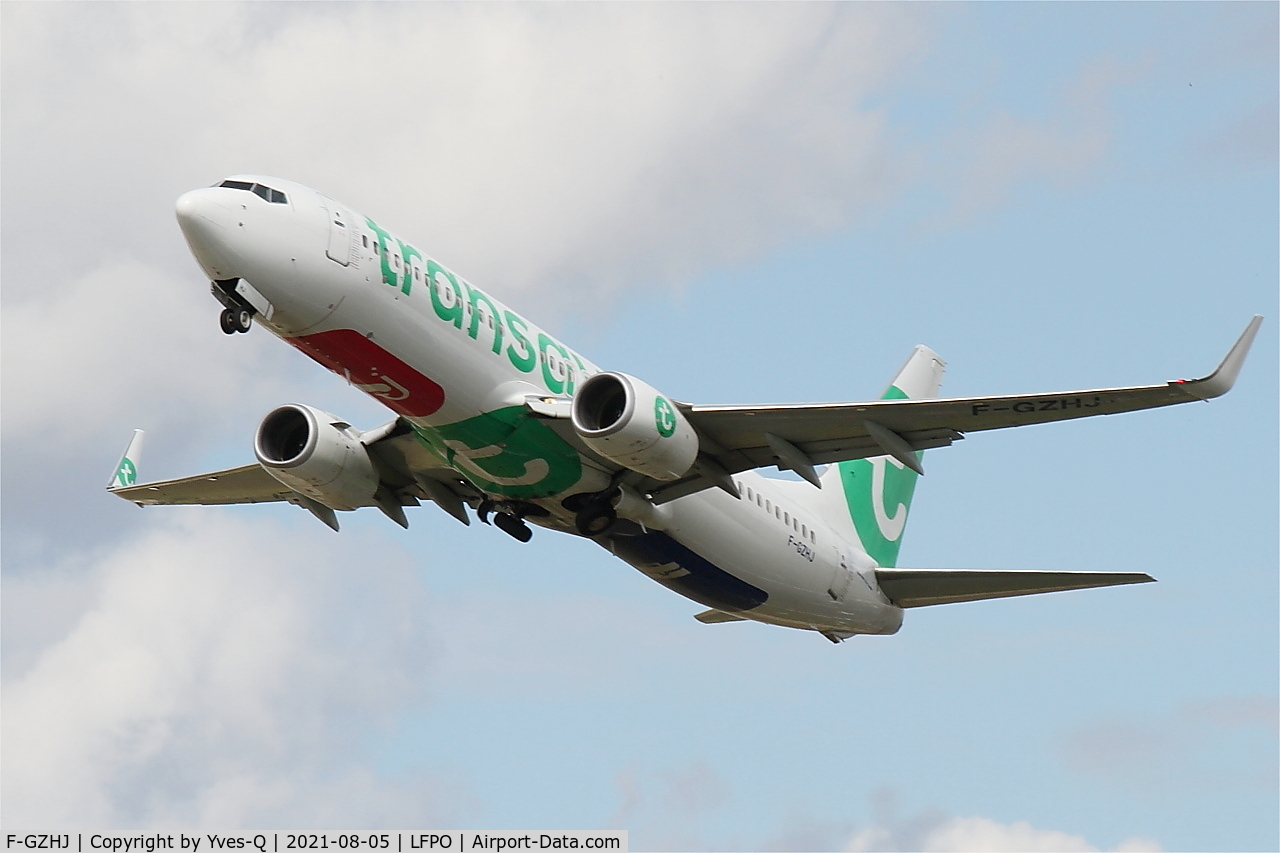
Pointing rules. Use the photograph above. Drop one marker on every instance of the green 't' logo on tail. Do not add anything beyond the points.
(879, 492)
(126, 474)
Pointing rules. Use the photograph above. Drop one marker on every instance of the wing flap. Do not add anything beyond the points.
(924, 587)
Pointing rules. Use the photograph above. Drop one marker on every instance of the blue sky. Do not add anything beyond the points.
(739, 204)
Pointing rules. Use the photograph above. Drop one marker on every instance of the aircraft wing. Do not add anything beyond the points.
(407, 471)
(923, 587)
(244, 485)
(738, 438)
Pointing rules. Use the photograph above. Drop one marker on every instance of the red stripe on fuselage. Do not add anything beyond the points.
(373, 370)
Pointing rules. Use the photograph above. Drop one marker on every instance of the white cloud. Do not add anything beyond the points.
(978, 834)
(1200, 734)
(1067, 145)
(575, 147)
(225, 674)
(118, 342)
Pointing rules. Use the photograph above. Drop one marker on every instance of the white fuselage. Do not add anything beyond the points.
(442, 354)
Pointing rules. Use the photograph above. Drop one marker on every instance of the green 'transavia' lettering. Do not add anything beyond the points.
(407, 252)
(449, 313)
(382, 238)
(527, 358)
(555, 384)
(453, 299)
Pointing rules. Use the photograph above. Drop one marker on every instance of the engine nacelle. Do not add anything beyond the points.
(628, 422)
(317, 455)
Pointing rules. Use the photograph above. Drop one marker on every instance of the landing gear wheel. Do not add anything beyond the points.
(595, 519)
(227, 320)
(235, 320)
(513, 526)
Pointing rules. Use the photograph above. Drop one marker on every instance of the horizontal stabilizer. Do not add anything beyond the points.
(711, 617)
(922, 587)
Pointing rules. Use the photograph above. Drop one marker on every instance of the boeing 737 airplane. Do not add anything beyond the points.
(494, 416)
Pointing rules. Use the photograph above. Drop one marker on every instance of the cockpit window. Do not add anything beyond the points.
(267, 193)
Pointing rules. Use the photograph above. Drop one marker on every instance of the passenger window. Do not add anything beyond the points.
(768, 505)
(365, 237)
(786, 518)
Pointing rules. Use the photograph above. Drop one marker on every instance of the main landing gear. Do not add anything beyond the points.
(513, 527)
(594, 513)
(510, 518)
(235, 320)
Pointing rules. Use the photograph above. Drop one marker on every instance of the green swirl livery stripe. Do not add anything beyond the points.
(878, 492)
(504, 452)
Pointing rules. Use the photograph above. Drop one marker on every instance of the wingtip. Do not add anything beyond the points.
(126, 473)
(1224, 377)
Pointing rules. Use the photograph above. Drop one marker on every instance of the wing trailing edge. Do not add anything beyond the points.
(924, 587)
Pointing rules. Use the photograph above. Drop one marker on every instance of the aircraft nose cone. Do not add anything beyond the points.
(207, 225)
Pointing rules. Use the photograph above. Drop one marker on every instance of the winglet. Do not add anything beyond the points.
(127, 471)
(1220, 381)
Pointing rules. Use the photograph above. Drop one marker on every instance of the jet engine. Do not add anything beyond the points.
(316, 455)
(628, 422)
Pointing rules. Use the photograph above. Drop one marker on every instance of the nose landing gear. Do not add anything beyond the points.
(237, 313)
(235, 320)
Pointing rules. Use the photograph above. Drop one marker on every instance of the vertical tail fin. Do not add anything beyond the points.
(876, 493)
